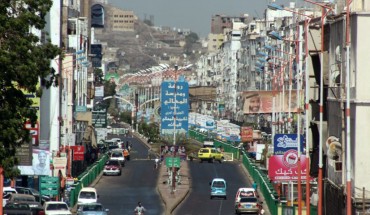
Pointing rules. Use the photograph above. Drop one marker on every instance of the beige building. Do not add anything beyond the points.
(121, 20)
(215, 41)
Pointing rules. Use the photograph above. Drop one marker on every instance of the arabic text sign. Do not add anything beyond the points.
(285, 142)
(285, 168)
(246, 134)
(168, 105)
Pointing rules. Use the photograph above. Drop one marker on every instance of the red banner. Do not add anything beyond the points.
(246, 134)
(285, 167)
(78, 153)
(34, 132)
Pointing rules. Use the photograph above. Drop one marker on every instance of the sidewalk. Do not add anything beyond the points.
(172, 200)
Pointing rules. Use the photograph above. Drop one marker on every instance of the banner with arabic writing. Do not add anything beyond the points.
(174, 107)
(285, 167)
(285, 142)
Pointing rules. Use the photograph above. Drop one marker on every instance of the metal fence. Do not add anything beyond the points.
(261, 178)
(86, 178)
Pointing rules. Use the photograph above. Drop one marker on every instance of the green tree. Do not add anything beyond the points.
(24, 60)
(190, 39)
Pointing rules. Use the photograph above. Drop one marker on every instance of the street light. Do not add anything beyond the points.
(174, 135)
(324, 13)
(273, 35)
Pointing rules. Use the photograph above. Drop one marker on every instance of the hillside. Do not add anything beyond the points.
(142, 49)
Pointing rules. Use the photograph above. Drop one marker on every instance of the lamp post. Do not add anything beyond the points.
(348, 115)
(299, 167)
(174, 135)
(324, 13)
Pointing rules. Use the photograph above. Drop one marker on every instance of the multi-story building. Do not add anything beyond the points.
(121, 20)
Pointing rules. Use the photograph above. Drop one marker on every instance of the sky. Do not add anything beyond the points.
(193, 14)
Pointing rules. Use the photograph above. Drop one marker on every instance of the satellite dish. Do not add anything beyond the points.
(334, 147)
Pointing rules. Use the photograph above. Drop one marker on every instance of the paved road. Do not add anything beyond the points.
(198, 201)
(138, 182)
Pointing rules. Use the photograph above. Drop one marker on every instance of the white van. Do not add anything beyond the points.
(87, 195)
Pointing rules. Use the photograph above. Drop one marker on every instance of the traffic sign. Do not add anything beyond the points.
(171, 161)
(49, 186)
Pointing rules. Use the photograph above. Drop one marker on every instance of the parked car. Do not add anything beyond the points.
(218, 188)
(92, 209)
(56, 208)
(33, 192)
(210, 155)
(7, 191)
(118, 155)
(112, 167)
(35, 206)
(16, 208)
(87, 195)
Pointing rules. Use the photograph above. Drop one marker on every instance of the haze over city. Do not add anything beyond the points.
(194, 14)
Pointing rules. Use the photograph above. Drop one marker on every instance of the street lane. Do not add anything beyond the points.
(198, 201)
(138, 182)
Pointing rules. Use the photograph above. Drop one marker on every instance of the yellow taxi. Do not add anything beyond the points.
(210, 155)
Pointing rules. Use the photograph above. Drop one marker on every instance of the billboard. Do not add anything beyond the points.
(40, 164)
(285, 142)
(261, 101)
(171, 107)
(246, 134)
(285, 167)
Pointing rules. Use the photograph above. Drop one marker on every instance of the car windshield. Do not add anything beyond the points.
(246, 193)
(17, 207)
(92, 208)
(87, 195)
(248, 199)
(112, 162)
(204, 150)
(23, 199)
(117, 154)
(34, 191)
(219, 184)
(113, 147)
(55, 207)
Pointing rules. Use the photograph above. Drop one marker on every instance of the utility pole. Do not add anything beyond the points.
(174, 135)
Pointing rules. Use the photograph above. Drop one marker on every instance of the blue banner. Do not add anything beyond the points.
(168, 105)
(285, 142)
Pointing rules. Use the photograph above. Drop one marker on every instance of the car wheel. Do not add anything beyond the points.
(225, 197)
(120, 173)
(211, 197)
(201, 160)
(212, 160)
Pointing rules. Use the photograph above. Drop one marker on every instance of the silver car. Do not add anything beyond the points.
(92, 209)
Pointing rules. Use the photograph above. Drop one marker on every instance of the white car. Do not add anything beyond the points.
(117, 154)
(56, 208)
(87, 195)
(7, 192)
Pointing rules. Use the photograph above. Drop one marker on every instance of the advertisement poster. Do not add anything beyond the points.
(246, 134)
(285, 167)
(285, 142)
(78, 153)
(40, 164)
(261, 102)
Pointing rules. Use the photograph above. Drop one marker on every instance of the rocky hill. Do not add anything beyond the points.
(143, 48)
